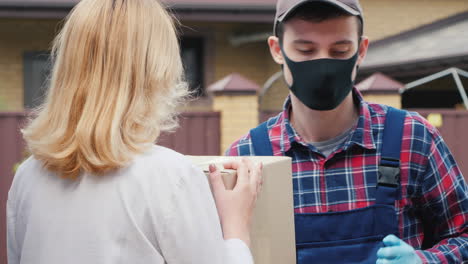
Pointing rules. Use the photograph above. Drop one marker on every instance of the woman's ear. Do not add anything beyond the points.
(275, 50)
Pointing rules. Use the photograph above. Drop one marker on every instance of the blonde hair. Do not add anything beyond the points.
(116, 81)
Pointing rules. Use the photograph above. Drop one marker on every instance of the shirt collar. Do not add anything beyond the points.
(361, 134)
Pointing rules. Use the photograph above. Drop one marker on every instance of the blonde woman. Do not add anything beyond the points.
(96, 189)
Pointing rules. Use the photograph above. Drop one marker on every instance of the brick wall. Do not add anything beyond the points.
(274, 97)
(239, 113)
(250, 60)
(19, 36)
(385, 18)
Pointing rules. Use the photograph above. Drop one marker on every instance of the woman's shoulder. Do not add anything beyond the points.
(162, 156)
(24, 175)
(164, 161)
(30, 163)
(28, 167)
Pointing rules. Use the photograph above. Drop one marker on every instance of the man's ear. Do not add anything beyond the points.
(275, 50)
(363, 47)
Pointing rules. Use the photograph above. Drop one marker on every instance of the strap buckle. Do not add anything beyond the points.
(389, 172)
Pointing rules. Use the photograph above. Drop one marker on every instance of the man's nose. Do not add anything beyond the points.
(322, 54)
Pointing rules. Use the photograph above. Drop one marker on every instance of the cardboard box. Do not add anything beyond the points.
(272, 237)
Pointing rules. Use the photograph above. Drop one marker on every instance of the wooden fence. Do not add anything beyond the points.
(11, 151)
(454, 130)
(198, 134)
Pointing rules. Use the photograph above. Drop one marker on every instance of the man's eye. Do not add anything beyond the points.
(307, 51)
(340, 52)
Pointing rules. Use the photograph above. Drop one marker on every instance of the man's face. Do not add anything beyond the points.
(336, 38)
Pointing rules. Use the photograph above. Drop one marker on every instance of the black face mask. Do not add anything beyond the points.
(322, 84)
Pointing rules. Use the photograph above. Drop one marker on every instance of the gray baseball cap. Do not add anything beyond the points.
(285, 7)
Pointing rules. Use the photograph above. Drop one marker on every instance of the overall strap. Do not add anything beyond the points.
(388, 185)
(261, 141)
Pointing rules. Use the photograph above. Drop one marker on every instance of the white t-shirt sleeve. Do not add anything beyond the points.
(190, 227)
(237, 251)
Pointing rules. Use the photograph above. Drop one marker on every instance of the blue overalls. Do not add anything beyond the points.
(350, 236)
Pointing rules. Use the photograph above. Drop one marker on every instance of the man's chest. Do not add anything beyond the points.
(342, 182)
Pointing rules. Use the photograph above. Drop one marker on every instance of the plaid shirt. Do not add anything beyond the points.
(434, 192)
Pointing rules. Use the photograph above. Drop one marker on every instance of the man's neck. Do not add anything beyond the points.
(317, 126)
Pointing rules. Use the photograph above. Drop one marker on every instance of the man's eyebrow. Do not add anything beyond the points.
(304, 41)
(345, 41)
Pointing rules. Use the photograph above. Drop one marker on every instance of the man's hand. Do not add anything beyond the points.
(397, 252)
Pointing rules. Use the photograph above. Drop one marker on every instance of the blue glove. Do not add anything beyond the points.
(397, 252)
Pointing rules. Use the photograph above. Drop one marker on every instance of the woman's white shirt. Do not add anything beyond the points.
(159, 209)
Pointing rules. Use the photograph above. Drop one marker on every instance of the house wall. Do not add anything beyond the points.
(239, 113)
(19, 36)
(386, 99)
(273, 99)
(251, 60)
(384, 18)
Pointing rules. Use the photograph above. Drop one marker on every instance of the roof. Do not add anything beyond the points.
(442, 40)
(234, 83)
(379, 82)
(37, 3)
(268, 4)
(231, 4)
(460, 78)
(207, 10)
(440, 90)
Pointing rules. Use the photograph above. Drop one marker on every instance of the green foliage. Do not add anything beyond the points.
(3, 105)
(15, 167)
(26, 155)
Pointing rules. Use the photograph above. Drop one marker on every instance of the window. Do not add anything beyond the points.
(192, 57)
(37, 68)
